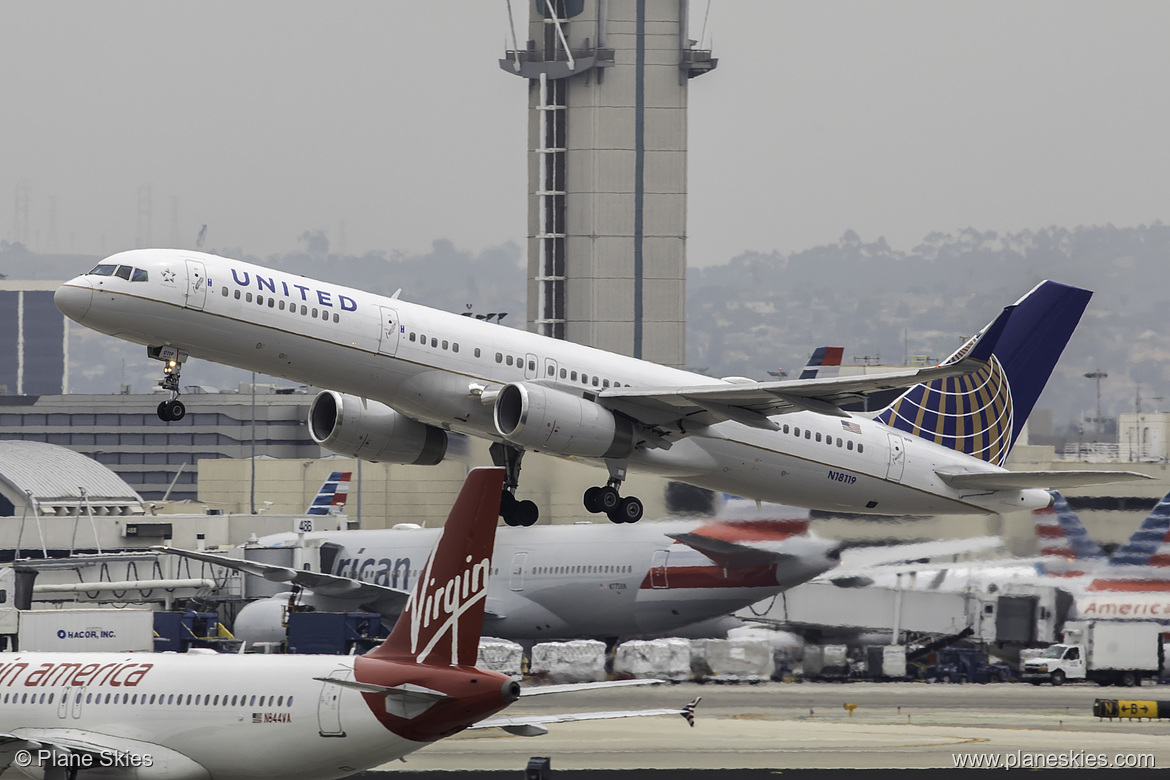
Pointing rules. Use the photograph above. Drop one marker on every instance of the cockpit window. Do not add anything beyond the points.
(124, 272)
(104, 270)
(141, 276)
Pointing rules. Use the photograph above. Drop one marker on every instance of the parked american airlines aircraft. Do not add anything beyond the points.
(401, 375)
(558, 581)
(197, 717)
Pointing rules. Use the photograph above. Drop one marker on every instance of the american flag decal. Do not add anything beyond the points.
(256, 718)
(851, 426)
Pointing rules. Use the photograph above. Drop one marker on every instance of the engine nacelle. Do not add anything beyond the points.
(364, 429)
(541, 418)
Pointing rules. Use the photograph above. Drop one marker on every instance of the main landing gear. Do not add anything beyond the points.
(173, 359)
(514, 511)
(608, 500)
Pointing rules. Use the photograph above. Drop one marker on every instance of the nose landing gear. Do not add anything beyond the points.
(607, 499)
(173, 359)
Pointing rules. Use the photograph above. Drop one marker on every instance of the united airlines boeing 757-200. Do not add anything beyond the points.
(400, 376)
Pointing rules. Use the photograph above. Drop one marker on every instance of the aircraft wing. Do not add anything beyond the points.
(1023, 480)
(534, 725)
(750, 403)
(857, 563)
(385, 601)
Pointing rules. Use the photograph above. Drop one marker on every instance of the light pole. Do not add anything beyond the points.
(1098, 375)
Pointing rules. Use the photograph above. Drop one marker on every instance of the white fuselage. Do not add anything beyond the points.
(563, 582)
(200, 716)
(439, 368)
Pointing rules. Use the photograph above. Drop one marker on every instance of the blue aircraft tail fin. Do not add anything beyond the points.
(1149, 545)
(983, 412)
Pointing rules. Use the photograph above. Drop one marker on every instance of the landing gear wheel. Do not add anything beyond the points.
(608, 499)
(171, 411)
(526, 513)
(591, 500)
(629, 510)
(518, 513)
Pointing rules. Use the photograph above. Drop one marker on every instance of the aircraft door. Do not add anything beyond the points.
(658, 569)
(77, 694)
(63, 707)
(530, 362)
(897, 463)
(329, 705)
(550, 368)
(391, 328)
(518, 562)
(196, 285)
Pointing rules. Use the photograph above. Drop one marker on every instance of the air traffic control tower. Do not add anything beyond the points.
(607, 171)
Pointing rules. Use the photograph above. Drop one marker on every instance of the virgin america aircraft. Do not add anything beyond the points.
(299, 717)
(400, 376)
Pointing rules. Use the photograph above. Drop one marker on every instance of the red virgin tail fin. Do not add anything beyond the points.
(442, 620)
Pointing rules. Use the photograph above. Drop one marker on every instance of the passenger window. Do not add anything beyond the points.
(605, 383)
(860, 448)
(564, 373)
(225, 291)
(289, 702)
(531, 365)
(304, 310)
(237, 294)
(808, 434)
(500, 356)
(233, 701)
(248, 297)
(573, 377)
(584, 379)
(281, 307)
(272, 303)
(253, 702)
(280, 702)
(260, 300)
(509, 360)
(840, 442)
(477, 351)
(314, 314)
(124, 272)
(455, 347)
(849, 445)
(336, 317)
(412, 337)
(796, 432)
(551, 370)
(818, 436)
(786, 427)
(595, 381)
(434, 341)
(444, 343)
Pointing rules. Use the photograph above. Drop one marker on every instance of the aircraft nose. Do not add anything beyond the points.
(74, 298)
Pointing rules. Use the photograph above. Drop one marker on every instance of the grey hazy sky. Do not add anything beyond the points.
(267, 118)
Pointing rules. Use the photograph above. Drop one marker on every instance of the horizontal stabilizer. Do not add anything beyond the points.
(542, 690)
(533, 725)
(1026, 480)
(731, 555)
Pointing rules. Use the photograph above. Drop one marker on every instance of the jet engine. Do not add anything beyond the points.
(541, 418)
(364, 429)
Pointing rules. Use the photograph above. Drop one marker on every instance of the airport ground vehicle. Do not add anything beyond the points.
(966, 665)
(1109, 652)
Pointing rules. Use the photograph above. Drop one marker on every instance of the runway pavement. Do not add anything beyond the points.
(806, 726)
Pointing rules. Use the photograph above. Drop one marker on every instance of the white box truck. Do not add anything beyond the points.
(1109, 652)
